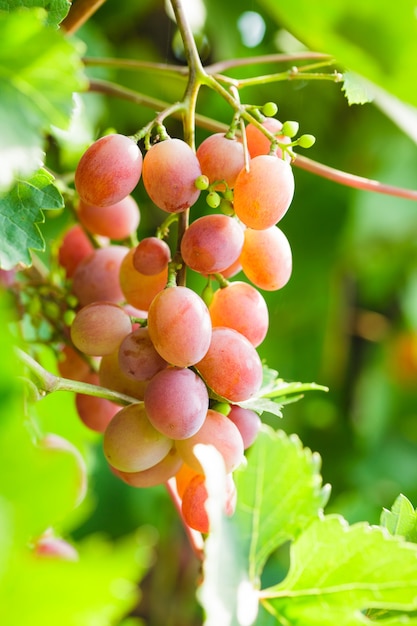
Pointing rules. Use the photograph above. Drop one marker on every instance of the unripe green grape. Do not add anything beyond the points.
(202, 182)
(269, 109)
(306, 141)
(226, 207)
(222, 407)
(290, 129)
(213, 199)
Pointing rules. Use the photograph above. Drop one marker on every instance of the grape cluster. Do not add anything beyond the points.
(186, 360)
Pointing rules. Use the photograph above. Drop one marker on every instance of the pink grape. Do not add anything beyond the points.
(266, 258)
(231, 367)
(131, 443)
(258, 143)
(242, 307)
(176, 402)
(109, 170)
(221, 159)
(263, 194)
(97, 276)
(75, 247)
(93, 411)
(170, 169)
(220, 432)
(158, 474)
(247, 421)
(179, 325)
(151, 256)
(139, 289)
(212, 243)
(138, 357)
(115, 221)
(99, 328)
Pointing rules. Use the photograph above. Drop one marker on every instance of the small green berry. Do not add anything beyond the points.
(228, 194)
(202, 182)
(269, 109)
(306, 141)
(226, 207)
(290, 129)
(213, 199)
(207, 294)
(222, 407)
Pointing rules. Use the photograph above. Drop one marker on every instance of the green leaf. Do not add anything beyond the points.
(374, 39)
(280, 492)
(20, 213)
(357, 91)
(56, 9)
(338, 572)
(401, 519)
(36, 88)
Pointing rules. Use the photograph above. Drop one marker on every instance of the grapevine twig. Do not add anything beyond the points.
(79, 13)
(48, 383)
(195, 538)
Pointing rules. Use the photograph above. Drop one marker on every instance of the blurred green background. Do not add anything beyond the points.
(348, 317)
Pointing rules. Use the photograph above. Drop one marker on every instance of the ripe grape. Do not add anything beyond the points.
(140, 289)
(170, 169)
(248, 422)
(221, 159)
(138, 357)
(179, 325)
(183, 477)
(99, 328)
(112, 377)
(115, 221)
(242, 307)
(75, 247)
(97, 276)
(193, 505)
(266, 258)
(72, 365)
(176, 402)
(220, 432)
(93, 411)
(108, 170)
(263, 194)
(131, 443)
(151, 256)
(156, 475)
(231, 367)
(258, 143)
(212, 243)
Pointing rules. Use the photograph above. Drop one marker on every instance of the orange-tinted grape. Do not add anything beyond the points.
(258, 143)
(231, 367)
(93, 411)
(242, 307)
(108, 170)
(263, 194)
(170, 169)
(140, 289)
(266, 258)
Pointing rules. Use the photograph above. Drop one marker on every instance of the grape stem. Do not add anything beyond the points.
(47, 383)
(79, 13)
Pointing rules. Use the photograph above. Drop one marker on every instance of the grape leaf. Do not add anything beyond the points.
(401, 519)
(279, 491)
(36, 88)
(338, 572)
(56, 9)
(356, 90)
(20, 213)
